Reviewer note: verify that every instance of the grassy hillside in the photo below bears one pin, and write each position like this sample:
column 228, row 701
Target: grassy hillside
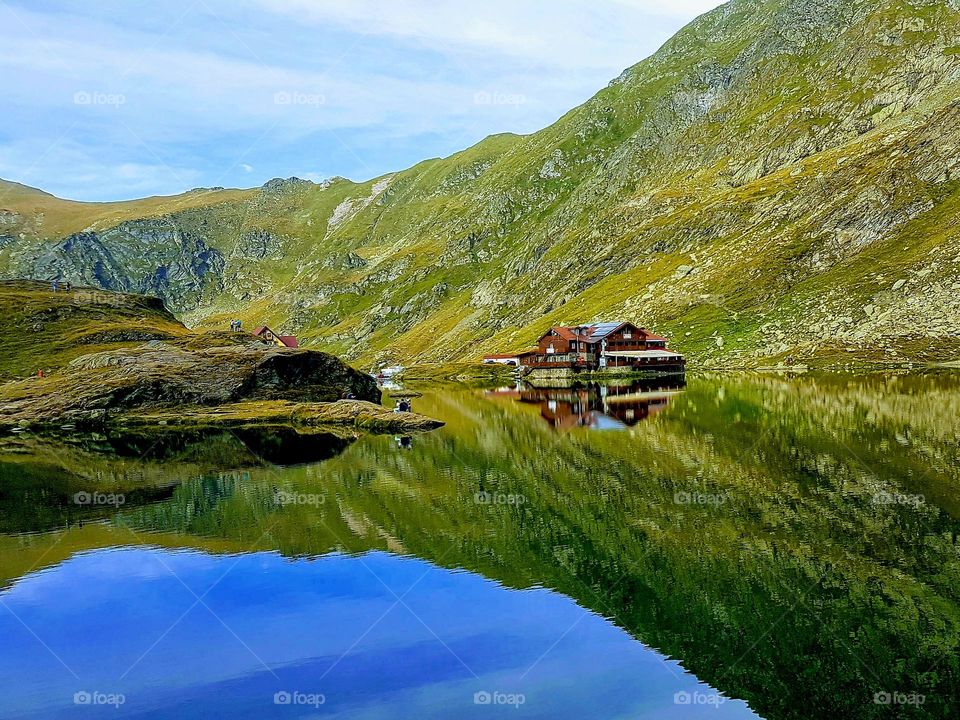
column 59, row 218
column 114, row 359
column 778, row 181
column 49, row 329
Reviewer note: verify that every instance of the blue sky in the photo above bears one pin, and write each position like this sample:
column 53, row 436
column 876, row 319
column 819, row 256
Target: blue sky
column 111, row 99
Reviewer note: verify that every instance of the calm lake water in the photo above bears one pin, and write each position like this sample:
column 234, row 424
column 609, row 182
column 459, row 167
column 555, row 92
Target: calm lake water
column 736, row 547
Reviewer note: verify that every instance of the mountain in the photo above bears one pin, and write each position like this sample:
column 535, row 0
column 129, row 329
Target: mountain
column 780, row 179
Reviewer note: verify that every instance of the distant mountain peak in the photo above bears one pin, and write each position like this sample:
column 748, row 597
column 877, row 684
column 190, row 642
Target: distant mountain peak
column 283, row 184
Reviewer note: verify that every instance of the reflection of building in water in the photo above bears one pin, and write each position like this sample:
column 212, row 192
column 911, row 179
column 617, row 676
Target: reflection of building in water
column 601, row 407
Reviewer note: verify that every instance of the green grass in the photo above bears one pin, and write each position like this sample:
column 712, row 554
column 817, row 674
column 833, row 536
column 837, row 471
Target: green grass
column 46, row 329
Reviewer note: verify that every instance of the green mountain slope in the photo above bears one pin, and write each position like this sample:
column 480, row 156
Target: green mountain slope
column 47, row 330
column 780, row 179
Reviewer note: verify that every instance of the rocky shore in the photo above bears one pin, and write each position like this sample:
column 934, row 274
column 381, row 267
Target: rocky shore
column 353, row 413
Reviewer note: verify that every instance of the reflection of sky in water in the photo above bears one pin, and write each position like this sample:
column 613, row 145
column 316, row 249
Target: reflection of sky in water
column 286, row 624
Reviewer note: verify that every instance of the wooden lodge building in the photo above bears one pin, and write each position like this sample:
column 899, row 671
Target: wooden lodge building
column 609, row 345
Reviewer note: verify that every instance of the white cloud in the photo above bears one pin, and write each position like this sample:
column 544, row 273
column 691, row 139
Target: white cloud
column 560, row 32
column 155, row 100
column 75, row 170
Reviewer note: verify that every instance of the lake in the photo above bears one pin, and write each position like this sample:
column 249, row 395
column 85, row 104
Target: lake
column 729, row 547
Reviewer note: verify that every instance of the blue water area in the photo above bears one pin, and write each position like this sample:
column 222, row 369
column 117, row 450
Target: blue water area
column 146, row 632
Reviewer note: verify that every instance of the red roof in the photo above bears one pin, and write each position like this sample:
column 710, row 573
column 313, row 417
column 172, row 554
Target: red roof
column 289, row 340
column 564, row 332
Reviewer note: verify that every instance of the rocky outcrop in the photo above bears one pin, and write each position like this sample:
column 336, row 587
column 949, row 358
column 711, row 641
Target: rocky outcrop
column 177, row 378
column 161, row 257
column 97, row 386
column 258, row 244
column 280, row 185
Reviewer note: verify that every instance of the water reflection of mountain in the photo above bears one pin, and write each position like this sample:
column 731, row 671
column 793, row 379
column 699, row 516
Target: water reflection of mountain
column 607, row 406
column 792, row 542
column 49, row 482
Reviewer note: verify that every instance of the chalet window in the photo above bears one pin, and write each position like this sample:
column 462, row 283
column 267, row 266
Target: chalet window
column 627, row 335
column 551, row 349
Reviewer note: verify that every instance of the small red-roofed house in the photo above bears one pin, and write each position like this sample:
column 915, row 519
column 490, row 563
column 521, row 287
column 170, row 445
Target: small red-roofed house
column 268, row 335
